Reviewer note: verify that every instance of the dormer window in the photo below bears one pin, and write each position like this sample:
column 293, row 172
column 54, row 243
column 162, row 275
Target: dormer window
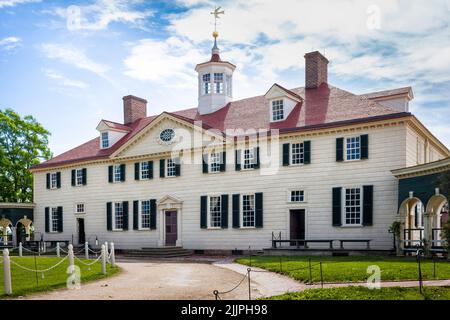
column 105, row 140
column 218, row 82
column 206, row 78
column 277, row 110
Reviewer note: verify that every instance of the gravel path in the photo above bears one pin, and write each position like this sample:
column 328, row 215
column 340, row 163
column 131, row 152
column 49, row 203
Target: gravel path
column 185, row 279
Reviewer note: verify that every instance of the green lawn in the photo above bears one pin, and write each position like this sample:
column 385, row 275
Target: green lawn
column 363, row 293
column 345, row 269
column 25, row 282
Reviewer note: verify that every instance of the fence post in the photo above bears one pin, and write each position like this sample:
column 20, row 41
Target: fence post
column 6, row 272
column 106, row 248
column 113, row 255
column 71, row 258
column 104, row 259
column 86, row 250
column 20, row 249
column 249, row 287
column 58, row 250
column 420, row 270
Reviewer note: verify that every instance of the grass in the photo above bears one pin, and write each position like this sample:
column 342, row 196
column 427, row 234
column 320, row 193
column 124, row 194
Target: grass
column 26, row 282
column 350, row 269
column 363, row 293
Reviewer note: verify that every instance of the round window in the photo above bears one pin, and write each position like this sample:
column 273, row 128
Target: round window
column 167, row 135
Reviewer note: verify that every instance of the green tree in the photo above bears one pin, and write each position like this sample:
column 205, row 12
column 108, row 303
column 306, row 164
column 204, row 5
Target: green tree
column 23, row 143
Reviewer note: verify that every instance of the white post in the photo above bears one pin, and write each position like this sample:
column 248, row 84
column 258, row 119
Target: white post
column 107, row 250
column 20, row 249
column 44, row 247
column 58, row 251
column 86, row 250
column 71, row 258
column 6, row 272
column 104, row 254
column 113, row 255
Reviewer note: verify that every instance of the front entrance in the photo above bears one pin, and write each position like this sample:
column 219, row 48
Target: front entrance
column 171, row 228
column 297, row 225
column 81, row 233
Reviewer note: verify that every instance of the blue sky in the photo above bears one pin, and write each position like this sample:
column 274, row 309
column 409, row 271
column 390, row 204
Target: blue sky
column 69, row 63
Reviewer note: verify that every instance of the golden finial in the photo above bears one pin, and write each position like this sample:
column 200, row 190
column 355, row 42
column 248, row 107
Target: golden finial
column 215, row 34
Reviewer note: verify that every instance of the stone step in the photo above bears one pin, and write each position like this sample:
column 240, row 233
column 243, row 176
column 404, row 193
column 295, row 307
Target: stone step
column 163, row 252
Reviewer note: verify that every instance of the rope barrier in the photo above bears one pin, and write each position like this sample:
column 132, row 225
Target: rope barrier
column 88, row 264
column 96, row 252
column 217, row 293
column 40, row 271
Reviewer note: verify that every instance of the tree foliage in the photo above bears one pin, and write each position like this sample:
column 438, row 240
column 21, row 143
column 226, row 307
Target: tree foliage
column 23, row 143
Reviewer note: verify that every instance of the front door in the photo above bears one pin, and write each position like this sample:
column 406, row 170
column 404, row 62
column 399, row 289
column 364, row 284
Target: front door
column 81, row 234
column 297, row 225
column 171, row 228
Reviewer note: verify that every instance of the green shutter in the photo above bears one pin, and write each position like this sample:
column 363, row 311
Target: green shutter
column 84, row 171
column 125, row 215
column 286, row 154
column 177, row 167
column 203, row 211
column 47, row 219
column 152, row 214
column 109, row 216
column 110, row 174
column 48, row 180
column 237, row 162
column 162, row 168
column 58, row 180
column 205, row 163
column 137, row 171
column 337, row 206
column 236, row 209
column 224, row 211
column 122, row 172
column 256, row 164
column 339, row 149
column 306, row 152
column 150, row 169
column 60, row 218
column 73, row 178
column 223, row 161
column 364, row 139
column 135, row 215
column 367, row 205
column 259, row 210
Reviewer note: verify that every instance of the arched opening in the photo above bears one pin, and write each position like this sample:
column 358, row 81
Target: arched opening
column 412, row 219
column 6, row 233
column 437, row 209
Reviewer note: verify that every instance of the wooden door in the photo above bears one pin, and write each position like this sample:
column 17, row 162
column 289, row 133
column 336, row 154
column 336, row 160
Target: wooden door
column 171, row 228
column 297, row 224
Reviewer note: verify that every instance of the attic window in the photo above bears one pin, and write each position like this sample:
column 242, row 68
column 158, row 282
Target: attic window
column 277, row 110
column 105, row 140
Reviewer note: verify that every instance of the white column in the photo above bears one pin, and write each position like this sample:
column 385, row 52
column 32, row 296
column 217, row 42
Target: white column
column 113, row 255
column 58, row 251
column 20, row 249
column 71, row 258
column 86, row 250
column 104, row 259
column 6, row 272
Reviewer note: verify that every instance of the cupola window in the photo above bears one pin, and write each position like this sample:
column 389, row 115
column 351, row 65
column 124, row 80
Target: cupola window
column 218, row 82
column 206, row 83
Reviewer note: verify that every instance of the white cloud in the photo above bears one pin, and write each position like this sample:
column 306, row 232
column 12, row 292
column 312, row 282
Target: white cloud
column 101, row 14
column 12, row 3
column 62, row 80
column 74, row 57
column 10, row 43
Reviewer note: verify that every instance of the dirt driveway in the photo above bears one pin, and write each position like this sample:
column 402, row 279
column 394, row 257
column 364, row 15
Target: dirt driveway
column 159, row 280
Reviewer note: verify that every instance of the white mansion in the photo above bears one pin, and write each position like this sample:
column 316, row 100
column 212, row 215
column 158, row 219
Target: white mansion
column 312, row 162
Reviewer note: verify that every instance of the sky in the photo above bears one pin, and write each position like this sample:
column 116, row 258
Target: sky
column 69, row 63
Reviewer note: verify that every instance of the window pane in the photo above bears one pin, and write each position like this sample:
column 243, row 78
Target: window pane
column 297, row 196
column 79, row 177
column 353, row 148
column 248, row 158
column 297, row 154
column 105, row 140
column 353, row 206
column 248, row 210
column 118, row 215
column 53, row 180
column 145, row 214
column 171, row 168
column 215, row 162
column 54, row 219
column 215, row 211
column 145, row 170
column 117, row 173
column 277, row 110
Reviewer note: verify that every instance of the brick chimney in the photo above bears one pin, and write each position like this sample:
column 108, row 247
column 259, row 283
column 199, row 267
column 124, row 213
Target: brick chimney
column 316, row 70
column 134, row 108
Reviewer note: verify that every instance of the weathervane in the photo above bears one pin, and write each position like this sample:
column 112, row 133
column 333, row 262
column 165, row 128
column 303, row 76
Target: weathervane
column 217, row 12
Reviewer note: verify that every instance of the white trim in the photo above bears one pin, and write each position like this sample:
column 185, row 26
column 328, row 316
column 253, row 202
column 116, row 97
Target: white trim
column 361, row 207
column 241, row 210
column 291, row 153
column 113, row 213
column 208, row 205
column 51, row 180
column 288, row 194
column 140, row 228
column 76, row 208
column 345, row 148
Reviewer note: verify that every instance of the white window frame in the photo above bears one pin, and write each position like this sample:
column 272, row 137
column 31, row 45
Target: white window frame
column 141, row 170
column 117, row 172
column 344, row 207
column 214, row 166
column 242, row 211
column 206, row 85
column 54, row 180
column 77, row 173
column 114, row 213
column 280, row 103
column 251, row 159
column 301, row 153
column 54, row 219
column 77, row 206
column 346, row 148
column 289, row 196
column 103, row 139
column 170, row 168
column 141, row 214
column 210, row 226
column 218, row 82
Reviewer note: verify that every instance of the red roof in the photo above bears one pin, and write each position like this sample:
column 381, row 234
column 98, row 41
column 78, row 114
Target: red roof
column 325, row 106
